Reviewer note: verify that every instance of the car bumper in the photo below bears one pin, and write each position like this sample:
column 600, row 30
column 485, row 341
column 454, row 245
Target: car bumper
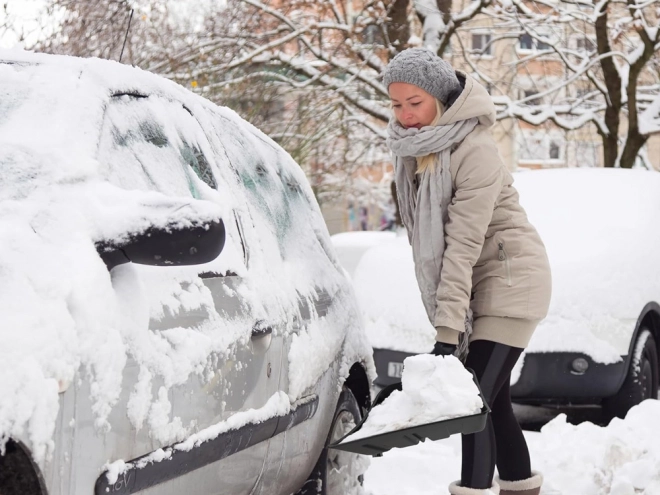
column 547, row 378
column 551, row 378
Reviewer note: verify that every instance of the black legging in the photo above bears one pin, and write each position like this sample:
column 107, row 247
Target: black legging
column 502, row 441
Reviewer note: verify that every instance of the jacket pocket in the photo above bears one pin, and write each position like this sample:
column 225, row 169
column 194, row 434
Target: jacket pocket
column 502, row 256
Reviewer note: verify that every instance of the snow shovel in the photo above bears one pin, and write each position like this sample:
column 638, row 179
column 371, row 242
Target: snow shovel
column 407, row 437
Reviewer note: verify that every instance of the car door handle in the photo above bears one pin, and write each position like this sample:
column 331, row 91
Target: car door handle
column 260, row 330
column 262, row 336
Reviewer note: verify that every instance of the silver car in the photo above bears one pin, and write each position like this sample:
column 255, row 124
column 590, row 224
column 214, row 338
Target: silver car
column 236, row 352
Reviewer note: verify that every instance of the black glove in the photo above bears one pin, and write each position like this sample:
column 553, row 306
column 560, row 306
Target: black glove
column 442, row 349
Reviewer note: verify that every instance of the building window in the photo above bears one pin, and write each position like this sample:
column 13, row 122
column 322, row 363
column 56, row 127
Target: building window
column 526, row 42
column 538, row 148
column 554, row 150
column 371, row 34
column 528, row 93
column 582, row 92
column 585, row 45
column 542, row 45
column 481, row 43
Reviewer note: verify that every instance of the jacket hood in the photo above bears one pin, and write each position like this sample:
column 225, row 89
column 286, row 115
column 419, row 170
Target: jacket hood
column 473, row 101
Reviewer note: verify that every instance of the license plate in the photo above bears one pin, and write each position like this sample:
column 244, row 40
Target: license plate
column 394, row 370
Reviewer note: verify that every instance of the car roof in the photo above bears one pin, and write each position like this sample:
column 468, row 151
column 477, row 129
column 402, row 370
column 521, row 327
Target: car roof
column 54, row 105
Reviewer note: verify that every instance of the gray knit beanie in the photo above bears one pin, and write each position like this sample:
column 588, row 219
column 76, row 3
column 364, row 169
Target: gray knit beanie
column 425, row 70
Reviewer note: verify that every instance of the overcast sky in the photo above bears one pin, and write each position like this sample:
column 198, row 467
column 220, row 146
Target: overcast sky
column 23, row 15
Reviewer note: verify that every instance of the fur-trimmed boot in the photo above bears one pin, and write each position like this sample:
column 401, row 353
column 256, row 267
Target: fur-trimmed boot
column 530, row 486
column 456, row 489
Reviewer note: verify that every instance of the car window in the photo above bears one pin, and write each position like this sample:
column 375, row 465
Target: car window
column 151, row 143
column 256, row 165
column 280, row 203
column 194, row 157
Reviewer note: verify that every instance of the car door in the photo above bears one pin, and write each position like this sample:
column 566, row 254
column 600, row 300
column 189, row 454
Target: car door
column 276, row 198
column 293, row 453
column 172, row 393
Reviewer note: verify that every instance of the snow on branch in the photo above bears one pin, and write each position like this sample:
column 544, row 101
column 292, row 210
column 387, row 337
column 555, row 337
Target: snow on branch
column 649, row 120
column 434, row 27
column 371, row 107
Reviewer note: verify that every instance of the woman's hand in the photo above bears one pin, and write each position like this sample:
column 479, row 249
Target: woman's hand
column 442, row 349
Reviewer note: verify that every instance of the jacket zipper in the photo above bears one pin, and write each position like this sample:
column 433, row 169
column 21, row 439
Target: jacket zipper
column 505, row 258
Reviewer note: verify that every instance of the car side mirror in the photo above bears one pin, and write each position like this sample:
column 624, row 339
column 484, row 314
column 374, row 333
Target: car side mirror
column 169, row 246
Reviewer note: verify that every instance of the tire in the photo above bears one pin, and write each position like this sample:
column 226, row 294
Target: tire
column 18, row 473
column 641, row 382
column 337, row 472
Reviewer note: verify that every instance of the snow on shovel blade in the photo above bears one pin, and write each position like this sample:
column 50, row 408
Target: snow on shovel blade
column 407, row 437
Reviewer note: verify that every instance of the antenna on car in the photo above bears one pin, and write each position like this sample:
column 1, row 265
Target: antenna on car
column 130, row 18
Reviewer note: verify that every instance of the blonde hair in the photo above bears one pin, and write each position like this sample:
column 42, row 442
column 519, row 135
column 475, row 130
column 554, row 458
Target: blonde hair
column 428, row 161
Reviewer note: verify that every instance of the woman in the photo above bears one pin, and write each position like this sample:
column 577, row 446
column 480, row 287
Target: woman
column 481, row 266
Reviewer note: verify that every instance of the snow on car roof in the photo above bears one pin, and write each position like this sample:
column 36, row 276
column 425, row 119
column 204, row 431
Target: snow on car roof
column 600, row 230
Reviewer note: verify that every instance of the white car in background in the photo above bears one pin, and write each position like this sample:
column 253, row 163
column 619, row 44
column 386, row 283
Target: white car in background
column 174, row 319
column 599, row 342
column 350, row 246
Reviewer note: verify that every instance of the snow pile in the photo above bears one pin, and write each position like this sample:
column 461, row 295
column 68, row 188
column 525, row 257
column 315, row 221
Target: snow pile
column 434, row 388
column 389, row 299
column 620, row 459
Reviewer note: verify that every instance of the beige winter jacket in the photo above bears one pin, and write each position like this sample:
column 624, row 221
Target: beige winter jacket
column 494, row 260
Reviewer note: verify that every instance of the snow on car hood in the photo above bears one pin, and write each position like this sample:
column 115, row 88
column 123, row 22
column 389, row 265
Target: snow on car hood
column 390, row 300
column 600, row 230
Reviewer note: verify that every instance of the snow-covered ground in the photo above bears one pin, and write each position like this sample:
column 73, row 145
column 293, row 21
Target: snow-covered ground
column 620, row 459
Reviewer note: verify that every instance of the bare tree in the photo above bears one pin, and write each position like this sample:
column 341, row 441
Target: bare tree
column 608, row 54
column 329, row 54
column 308, row 72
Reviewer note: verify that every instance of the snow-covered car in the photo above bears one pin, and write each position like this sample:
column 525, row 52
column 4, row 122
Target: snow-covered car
column 351, row 246
column 599, row 342
column 174, row 319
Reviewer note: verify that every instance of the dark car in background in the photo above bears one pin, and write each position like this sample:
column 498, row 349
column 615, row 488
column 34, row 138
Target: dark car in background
column 598, row 346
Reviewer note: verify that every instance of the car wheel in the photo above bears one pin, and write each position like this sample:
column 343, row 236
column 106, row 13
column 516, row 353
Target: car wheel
column 338, row 472
column 18, row 473
column 641, row 383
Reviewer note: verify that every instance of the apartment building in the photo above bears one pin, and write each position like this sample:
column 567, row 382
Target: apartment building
column 519, row 63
